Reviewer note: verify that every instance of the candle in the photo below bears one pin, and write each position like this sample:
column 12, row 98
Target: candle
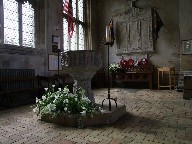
column 58, row 42
column 107, row 34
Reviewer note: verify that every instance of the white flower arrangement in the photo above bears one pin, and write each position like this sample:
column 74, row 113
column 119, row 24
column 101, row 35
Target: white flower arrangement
column 62, row 102
column 113, row 68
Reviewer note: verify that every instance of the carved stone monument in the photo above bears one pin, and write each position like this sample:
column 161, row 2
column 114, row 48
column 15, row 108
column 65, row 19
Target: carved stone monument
column 133, row 30
column 82, row 66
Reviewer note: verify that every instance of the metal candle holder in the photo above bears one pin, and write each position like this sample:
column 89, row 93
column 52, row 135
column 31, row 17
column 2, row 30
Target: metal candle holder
column 109, row 97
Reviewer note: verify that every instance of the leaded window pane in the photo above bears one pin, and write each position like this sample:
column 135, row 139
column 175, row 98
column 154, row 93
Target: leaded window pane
column 28, row 25
column 74, row 8
column 65, row 35
column 11, row 23
column 77, row 40
column 74, row 40
column 80, row 10
column 81, row 38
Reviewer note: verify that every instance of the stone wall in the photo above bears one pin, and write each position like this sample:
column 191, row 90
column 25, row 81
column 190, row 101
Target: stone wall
column 167, row 46
column 185, row 23
column 15, row 57
column 18, row 57
column 175, row 14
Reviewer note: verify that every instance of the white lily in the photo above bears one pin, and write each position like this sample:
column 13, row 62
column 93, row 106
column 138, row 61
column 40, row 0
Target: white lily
column 37, row 100
column 86, row 99
column 54, row 101
column 43, row 97
column 83, row 113
column 66, row 90
column 51, row 107
column 65, row 109
column 70, row 95
column 102, row 111
column 36, row 110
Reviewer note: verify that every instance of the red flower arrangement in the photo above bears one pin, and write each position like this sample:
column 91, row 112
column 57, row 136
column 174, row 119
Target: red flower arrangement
column 123, row 63
column 130, row 62
column 127, row 63
column 143, row 61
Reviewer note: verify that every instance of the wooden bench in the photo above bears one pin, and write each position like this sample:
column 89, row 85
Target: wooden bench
column 134, row 74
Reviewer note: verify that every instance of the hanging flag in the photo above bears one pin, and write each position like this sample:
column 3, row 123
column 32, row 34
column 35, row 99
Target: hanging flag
column 69, row 11
column 158, row 23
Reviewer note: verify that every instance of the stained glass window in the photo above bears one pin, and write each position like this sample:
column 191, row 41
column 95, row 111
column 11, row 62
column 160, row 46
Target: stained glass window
column 74, row 8
column 81, row 37
column 28, row 25
column 80, row 9
column 74, row 40
column 11, row 22
column 19, row 28
column 65, row 35
column 77, row 40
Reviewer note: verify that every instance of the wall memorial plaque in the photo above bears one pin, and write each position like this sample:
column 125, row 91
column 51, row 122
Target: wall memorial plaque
column 133, row 30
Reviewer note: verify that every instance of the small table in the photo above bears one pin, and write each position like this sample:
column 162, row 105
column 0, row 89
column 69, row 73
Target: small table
column 171, row 72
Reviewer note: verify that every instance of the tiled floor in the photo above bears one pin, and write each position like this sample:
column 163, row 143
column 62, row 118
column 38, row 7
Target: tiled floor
column 153, row 116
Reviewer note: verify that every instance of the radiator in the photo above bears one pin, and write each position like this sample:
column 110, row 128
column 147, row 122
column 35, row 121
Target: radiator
column 20, row 97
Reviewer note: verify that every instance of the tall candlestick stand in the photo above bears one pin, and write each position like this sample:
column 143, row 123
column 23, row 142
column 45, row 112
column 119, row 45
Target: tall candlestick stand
column 109, row 97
